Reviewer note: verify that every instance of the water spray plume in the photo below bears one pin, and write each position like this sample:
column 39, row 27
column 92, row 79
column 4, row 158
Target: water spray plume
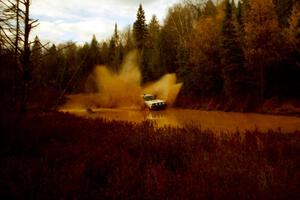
column 165, row 88
column 107, row 89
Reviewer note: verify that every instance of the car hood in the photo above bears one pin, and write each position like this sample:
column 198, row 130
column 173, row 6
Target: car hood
column 155, row 101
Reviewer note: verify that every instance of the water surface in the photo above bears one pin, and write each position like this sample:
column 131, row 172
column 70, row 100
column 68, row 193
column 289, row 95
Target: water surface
column 215, row 120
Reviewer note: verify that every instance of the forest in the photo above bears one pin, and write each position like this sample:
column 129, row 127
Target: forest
column 237, row 55
column 230, row 56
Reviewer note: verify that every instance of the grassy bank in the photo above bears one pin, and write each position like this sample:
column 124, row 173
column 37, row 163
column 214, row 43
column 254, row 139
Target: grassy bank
column 275, row 105
column 58, row 156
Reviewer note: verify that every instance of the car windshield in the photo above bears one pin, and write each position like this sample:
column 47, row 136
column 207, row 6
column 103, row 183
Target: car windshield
column 149, row 98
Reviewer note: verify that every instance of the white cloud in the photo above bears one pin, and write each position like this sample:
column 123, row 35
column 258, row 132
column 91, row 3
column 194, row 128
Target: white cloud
column 77, row 20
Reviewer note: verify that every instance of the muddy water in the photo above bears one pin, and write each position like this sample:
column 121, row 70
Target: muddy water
column 214, row 120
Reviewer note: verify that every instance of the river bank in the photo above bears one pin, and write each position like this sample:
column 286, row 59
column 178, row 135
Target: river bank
column 48, row 100
column 274, row 106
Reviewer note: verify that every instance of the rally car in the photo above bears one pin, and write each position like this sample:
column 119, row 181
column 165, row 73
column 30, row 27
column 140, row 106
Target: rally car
column 152, row 103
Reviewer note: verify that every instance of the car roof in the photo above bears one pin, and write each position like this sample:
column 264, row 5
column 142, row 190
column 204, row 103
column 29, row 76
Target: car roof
column 147, row 95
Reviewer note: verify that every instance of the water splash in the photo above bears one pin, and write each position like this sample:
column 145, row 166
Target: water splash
column 107, row 89
column 165, row 88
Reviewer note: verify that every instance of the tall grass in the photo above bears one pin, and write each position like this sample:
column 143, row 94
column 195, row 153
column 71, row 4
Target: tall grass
column 59, row 156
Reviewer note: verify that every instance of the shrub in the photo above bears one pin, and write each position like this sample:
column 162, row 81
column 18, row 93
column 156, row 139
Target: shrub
column 59, row 156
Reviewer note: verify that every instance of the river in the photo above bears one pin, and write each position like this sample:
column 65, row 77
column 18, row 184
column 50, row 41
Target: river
column 214, row 120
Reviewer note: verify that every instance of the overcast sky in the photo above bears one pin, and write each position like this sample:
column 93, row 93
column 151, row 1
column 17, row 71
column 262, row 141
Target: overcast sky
column 78, row 20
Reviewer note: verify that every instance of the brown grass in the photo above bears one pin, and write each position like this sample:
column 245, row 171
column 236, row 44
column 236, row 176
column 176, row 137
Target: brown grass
column 58, row 156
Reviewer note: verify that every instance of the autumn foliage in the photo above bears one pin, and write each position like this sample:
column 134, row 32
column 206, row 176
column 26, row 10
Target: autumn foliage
column 240, row 55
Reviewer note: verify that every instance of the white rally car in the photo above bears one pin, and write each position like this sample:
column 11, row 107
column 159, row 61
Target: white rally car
column 152, row 103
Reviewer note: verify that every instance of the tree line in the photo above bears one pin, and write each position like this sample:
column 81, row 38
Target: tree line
column 246, row 51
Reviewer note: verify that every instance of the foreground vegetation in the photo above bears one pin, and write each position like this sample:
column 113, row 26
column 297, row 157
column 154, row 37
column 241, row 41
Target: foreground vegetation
column 59, row 156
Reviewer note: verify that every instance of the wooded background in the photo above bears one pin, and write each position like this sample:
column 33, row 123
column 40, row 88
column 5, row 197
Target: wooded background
column 246, row 52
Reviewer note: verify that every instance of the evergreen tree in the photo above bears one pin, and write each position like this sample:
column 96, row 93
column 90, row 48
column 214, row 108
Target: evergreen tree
column 112, row 53
column 154, row 28
column 36, row 51
column 36, row 55
column 128, row 40
column 51, row 68
column 94, row 54
column 83, row 53
column 140, row 29
column 116, row 36
column 140, row 33
column 210, row 9
column 234, row 8
column 153, row 51
column 283, row 10
column 239, row 17
column 69, row 71
column 115, row 50
column 232, row 56
column 104, row 51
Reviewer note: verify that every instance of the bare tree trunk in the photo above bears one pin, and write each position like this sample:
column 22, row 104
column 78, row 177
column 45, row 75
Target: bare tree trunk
column 26, row 59
column 16, row 56
column 17, row 27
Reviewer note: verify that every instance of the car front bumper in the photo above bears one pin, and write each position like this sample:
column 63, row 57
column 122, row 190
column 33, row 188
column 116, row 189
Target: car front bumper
column 158, row 107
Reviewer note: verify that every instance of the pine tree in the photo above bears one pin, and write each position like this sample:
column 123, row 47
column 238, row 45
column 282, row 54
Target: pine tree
column 153, row 51
column 234, row 8
column 154, row 28
column 210, row 9
column 232, row 55
column 35, row 59
column 111, row 52
column 94, row 53
column 140, row 29
column 51, row 68
column 128, row 40
column 116, row 36
column 283, row 10
column 115, row 56
column 36, row 51
column 104, row 51
column 140, row 33
column 239, row 17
